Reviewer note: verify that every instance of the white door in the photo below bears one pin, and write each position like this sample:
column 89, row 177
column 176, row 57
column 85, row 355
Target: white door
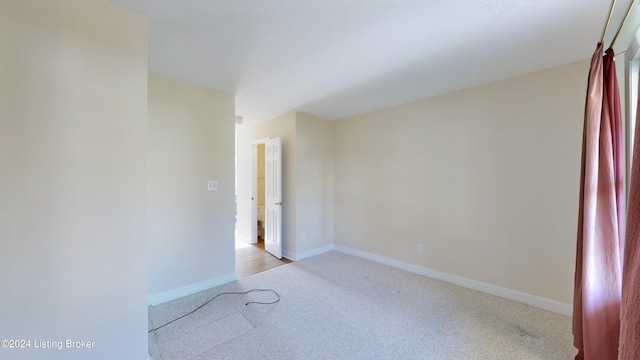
column 273, row 197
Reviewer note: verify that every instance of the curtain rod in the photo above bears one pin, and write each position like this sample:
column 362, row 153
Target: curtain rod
column 622, row 23
column 606, row 24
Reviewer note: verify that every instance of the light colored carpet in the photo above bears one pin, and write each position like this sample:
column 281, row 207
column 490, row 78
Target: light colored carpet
column 337, row 306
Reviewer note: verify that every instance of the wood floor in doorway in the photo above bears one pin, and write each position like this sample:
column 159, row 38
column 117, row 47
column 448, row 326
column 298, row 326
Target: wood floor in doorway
column 253, row 259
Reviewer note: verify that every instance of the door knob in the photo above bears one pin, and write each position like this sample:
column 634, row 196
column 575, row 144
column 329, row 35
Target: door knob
column 279, row 203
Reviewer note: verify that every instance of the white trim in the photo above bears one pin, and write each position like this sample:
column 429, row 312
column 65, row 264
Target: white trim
column 533, row 300
column 243, row 238
column 253, row 239
column 260, row 141
column 163, row 297
column 630, row 91
column 289, row 255
column 306, row 254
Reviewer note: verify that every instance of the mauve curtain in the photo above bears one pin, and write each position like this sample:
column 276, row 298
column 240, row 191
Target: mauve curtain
column 630, row 312
column 597, row 292
column 615, row 118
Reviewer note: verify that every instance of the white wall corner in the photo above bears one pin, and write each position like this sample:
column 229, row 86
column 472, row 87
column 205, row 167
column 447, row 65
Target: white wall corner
column 306, row 254
column 528, row 299
column 243, row 238
column 163, row 297
column 289, row 255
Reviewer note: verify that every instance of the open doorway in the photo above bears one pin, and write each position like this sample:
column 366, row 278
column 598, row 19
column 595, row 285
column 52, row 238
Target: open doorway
column 260, row 190
column 253, row 259
column 263, row 248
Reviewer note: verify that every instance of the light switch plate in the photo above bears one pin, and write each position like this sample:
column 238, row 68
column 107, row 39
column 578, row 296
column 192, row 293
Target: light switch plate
column 212, row 185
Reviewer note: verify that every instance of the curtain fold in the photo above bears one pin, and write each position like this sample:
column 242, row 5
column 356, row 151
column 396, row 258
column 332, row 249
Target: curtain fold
column 615, row 117
column 597, row 291
column 630, row 309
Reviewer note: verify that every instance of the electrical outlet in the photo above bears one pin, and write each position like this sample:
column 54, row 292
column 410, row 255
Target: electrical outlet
column 212, row 185
column 420, row 249
column 304, row 237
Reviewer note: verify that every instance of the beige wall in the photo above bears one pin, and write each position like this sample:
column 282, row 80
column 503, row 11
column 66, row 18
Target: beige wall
column 486, row 178
column 73, row 124
column 307, row 185
column 191, row 141
column 314, row 183
column 285, row 128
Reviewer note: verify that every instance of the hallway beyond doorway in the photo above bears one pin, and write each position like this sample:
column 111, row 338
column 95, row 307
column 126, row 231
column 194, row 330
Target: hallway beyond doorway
column 253, row 259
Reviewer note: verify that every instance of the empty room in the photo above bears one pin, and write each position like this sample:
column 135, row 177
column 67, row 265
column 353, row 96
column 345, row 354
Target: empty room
column 298, row 179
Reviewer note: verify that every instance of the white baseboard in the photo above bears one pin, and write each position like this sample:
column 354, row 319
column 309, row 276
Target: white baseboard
column 156, row 299
column 244, row 238
column 306, row 254
column 533, row 300
column 314, row 252
column 289, row 255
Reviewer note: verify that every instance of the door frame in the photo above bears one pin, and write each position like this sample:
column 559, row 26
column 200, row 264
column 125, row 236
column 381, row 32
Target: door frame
column 254, row 188
column 273, row 197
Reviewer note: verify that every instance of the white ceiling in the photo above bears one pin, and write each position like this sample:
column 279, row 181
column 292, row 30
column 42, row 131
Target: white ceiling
column 338, row 58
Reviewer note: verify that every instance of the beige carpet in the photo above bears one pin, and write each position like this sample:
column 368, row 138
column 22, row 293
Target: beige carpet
column 337, row 306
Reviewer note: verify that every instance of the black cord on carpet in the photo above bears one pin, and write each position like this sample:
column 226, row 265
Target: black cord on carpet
column 226, row 293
